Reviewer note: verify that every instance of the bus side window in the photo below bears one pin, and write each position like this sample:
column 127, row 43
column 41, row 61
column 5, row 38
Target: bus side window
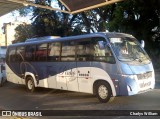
column 30, row 53
column 109, row 55
column 12, row 55
column 101, row 54
column 83, row 50
column 20, row 54
column 98, row 54
column 54, row 51
column 68, row 51
column 41, row 52
column 80, row 52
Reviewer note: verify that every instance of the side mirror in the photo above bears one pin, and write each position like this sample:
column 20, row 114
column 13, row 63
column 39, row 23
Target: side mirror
column 142, row 43
column 101, row 44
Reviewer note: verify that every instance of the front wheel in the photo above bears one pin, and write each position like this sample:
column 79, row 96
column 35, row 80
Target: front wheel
column 30, row 84
column 103, row 91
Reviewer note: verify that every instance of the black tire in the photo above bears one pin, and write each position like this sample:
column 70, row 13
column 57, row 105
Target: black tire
column 103, row 91
column 30, row 84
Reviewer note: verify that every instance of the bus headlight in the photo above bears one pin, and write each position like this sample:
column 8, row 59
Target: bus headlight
column 129, row 76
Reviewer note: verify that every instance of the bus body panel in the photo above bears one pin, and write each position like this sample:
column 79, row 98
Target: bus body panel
column 84, row 75
column 100, row 74
column 130, row 69
column 65, row 77
column 12, row 77
column 108, row 72
column 136, row 78
column 44, row 84
column 124, row 78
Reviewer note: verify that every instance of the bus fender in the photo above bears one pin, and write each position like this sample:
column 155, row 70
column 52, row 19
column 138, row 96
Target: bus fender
column 33, row 76
column 109, row 82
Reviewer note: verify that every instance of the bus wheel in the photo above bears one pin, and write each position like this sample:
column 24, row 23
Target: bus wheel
column 103, row 91
column 30, row 84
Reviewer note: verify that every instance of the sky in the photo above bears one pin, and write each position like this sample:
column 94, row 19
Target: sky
column 13, row 16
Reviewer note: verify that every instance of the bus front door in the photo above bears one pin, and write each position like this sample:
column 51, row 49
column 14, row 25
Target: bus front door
column 67, row 78
column 84, row 76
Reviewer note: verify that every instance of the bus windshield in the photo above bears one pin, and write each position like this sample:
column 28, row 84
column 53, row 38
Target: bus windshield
column 128, row 49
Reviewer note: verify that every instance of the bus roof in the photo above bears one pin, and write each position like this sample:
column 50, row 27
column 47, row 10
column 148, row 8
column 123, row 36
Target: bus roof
column 42, row 38
column 117, row 35
column 48, row 39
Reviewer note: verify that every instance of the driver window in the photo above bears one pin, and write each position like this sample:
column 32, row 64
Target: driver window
column 102, row 54
column 109, row 55
column 97, row 51
column 124, row 48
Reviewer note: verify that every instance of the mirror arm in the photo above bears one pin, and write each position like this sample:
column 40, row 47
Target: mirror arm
column 142, row 43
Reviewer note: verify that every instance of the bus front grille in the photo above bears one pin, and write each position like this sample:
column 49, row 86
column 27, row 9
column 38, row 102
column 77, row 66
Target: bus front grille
column 144, row 75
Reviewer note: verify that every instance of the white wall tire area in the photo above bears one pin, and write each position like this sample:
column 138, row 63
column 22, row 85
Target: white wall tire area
column 30, row 84
column 103, row 91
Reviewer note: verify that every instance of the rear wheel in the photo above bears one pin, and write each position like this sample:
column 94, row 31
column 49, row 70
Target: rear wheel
column 30, row 84
column 103, row 91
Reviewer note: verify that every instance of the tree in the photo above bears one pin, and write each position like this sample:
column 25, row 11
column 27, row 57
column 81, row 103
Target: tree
column 48, row 22
column 138, row 17
column 23, row 32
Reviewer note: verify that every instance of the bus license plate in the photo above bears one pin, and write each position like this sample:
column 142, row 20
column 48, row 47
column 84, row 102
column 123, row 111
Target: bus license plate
column 145, row 84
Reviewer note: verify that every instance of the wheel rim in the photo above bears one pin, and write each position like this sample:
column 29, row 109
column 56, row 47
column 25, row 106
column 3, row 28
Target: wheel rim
column 103, row 92
column 30, row 84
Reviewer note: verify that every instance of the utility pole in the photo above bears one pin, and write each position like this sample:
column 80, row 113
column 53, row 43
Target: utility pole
column 5, row 32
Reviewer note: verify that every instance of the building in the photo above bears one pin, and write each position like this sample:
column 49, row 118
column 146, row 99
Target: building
column 2, row 39
column 9, row 31
column 8, row 34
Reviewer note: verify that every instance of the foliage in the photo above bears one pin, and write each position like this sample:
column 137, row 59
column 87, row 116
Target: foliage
column 140, row 18
column 48, row 22
column 23, row 31
column 137, row 17
column 25, row 11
